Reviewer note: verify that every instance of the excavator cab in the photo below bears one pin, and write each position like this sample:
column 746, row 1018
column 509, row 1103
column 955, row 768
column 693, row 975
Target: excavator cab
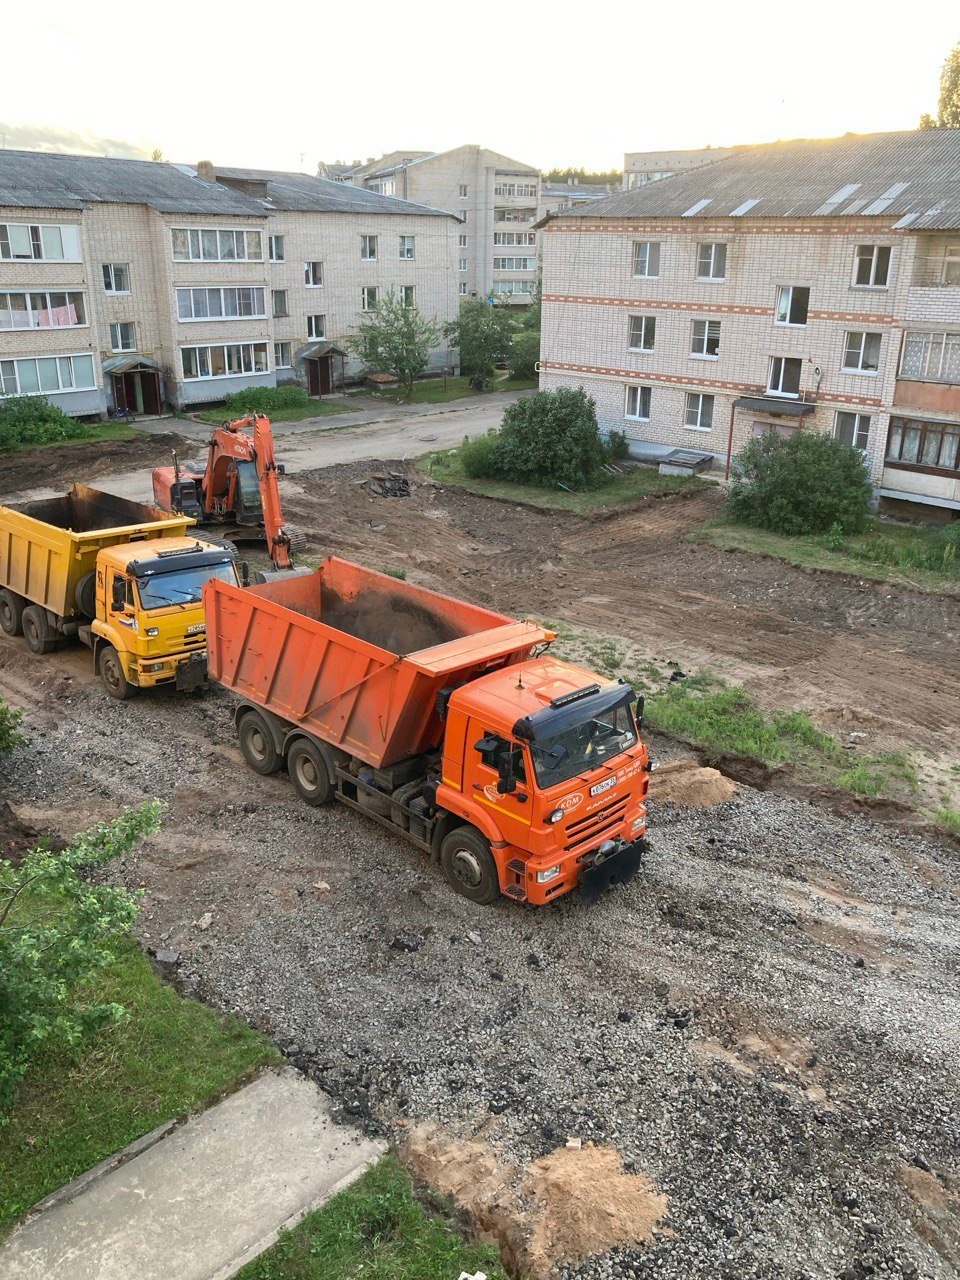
column 249, row 503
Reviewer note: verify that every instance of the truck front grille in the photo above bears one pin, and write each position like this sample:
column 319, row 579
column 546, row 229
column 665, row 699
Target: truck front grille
column 593, row 830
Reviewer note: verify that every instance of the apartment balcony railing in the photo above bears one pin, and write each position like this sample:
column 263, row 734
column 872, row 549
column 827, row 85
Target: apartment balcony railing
column 931, row 357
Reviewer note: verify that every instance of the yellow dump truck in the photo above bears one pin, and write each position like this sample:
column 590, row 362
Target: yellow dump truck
column 124, row 578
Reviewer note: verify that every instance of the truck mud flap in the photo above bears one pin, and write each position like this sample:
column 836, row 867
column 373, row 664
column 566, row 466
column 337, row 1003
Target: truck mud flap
column 192, row 674
column 619, row 868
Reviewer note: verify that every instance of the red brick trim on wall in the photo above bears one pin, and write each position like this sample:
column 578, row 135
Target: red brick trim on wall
column 718, row 308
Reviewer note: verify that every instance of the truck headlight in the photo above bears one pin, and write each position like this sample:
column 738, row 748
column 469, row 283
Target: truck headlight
column 555, row 816
column 152, row 666
column 551, row 873
column 152, row 631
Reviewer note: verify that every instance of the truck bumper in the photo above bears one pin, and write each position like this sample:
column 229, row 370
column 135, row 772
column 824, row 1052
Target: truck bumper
column 187, row 671
column 619, row 868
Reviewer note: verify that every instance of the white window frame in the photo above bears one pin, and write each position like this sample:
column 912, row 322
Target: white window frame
column 697, row 401
column 407, row 242
column 222, row 290
column 464, row 190
column 930, row 356
column 776, row 390
column 278, row 355
column 38, row 242
column 873, row 257
column 515, row 264
column 366, row 290
column 317, row 325
column 703, row 335
column 116, row 336
column 276, row 249
column 643, row 252
column 195, row 241
column 850, row 345
column 860, row 425
column 648, row 332
column 310, row 271
column 274, row 295
column 407, row 295
column 223, row 346
column 785, row 293
column 368, row 248
column 463, row 288
column 33, row 313
column 463, row 264
column 514, row 239
column 463, row 241
column 109, row 271
column 513, row 288
column 61, row 362
column 640, row 394
column 714, row 253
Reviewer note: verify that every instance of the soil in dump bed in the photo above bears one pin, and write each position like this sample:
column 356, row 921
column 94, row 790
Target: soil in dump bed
column 85, row 511
column 389, row 621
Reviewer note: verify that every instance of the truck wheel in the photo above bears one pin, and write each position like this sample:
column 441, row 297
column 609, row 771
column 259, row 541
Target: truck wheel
column 469, row 866
column 309, row 773
column 256, row 744
column 37, row 632
column 111, row 674
column 85, row 596
column 11, row 612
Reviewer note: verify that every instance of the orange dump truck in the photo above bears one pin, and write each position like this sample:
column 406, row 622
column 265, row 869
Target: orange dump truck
column 448, row 723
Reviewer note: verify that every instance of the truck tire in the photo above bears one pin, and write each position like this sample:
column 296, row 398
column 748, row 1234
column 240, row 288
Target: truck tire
column 11, row 612
column 37, row 632
column 256, row 744
column 85, row 595
column 469, row 866
column 309, row 773
column 111, row 674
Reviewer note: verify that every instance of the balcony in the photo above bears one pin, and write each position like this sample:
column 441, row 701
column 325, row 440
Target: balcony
column 929, row 376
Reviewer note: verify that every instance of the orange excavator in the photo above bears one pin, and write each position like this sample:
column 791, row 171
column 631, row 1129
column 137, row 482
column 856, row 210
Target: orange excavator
column 238, row 489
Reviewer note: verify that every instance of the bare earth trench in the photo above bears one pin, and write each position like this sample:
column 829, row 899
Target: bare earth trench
column 764, row 1027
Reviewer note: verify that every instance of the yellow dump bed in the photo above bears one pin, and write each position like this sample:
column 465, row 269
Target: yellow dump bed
column 47, row 546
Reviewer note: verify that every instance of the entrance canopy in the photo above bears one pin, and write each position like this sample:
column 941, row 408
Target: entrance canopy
column 314, row 350
column 127, row 364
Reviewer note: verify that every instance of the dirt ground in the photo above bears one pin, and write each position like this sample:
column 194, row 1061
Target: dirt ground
column 756, row 1043
column 64, row 464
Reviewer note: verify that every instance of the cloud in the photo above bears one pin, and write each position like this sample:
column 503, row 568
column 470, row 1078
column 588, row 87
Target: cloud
column 41, row 137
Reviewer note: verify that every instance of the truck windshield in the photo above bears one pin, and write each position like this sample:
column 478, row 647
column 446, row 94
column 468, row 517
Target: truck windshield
column 584, row 746
column 182, row 586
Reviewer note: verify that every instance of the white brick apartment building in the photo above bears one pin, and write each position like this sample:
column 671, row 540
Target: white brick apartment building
column 129, row 284
column 496, row 199
column 812, row 283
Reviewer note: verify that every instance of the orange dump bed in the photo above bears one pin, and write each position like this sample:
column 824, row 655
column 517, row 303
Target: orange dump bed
column 355, row 656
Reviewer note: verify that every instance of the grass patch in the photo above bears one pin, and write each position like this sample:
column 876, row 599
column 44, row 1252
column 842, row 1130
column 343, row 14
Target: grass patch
column 440, row 390
column 633, row 483
column 85, row 432
column 949, row 818
column 926, row 556
column 76, row 1108
column 376, row 1229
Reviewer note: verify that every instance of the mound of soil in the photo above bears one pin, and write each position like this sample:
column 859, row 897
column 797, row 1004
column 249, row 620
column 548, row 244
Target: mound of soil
column 18, row 837
column 66, row 464
column 684, row 782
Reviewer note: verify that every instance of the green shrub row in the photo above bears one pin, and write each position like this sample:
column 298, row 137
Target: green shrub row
column 26, row 420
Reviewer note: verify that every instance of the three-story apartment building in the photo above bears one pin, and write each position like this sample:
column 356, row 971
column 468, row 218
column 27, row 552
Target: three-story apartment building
column 811, row 284
column 129, row 285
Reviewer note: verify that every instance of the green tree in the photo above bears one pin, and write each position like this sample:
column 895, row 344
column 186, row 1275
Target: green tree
column 482, row 332
column 10, row 735
column 805, row 484
column 524, row 353
column 56, row 933
column 395, row 339
column 613, row 176
column 551, row 438
column 948, row 106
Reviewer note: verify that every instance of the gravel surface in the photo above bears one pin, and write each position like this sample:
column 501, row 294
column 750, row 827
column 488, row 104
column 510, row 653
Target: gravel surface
column 766, row 1022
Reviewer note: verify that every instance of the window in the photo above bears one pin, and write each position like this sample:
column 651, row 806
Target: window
column 407, row 295
column 65, row 310
column 276, row 248
column 914, row 443
column 208, row 244
column 784, row 376
column 406, row 247
column 512, row 286
column 514, row 264
column 643, row 331
column 699, row 411
column 508, row 239
column 711, row 262
column 861, row 353
column 123, row 336
column 463, row 215
column 463, row 242
column 638, row 404
column 283, row 355
column 513, row 215
column 463, row 288
column 931, row 357
column 463, row 191
column 853, row 429
column 526, row 189
column 793, row 303
column 116, row 277
column 368, row 248
column 646, row 258
column 872, row 266
column 24, row 377
column 463, row 264
column 232, row 360
column 706, row 339
column 313, row 275
column 316, row 326
column 242, row 302
column 23, row 242
column 370, row 297
column 280, row 304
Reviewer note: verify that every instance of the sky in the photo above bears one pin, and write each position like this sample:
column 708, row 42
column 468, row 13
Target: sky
column 556, row 84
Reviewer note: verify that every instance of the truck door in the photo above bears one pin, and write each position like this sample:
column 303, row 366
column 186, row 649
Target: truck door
column 121, row 603
column 489, row 757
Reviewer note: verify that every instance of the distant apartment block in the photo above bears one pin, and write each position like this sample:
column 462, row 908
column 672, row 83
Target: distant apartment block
column 496, row 199
column 133, row 285
column 641, row 167
column 809, row 285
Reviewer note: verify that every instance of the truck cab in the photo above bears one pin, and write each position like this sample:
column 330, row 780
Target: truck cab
column 150, row 626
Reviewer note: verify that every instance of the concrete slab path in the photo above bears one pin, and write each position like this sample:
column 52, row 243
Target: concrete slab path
column 205, row 1199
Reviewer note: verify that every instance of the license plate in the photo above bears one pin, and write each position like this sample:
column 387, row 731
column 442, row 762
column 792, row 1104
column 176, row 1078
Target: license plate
column 197, row 626
column 598, row 788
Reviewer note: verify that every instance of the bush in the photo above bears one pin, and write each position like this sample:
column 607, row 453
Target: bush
column 482, row 334
column 551, row 438
column 618, row 446
column 478, row 457
column 804, row 484
column 266, row 400
column 26, row 420
column 524, row 354
column 10, row 735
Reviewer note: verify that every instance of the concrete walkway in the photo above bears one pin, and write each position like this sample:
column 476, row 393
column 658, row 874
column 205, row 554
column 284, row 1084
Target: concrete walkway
column 202, row 1201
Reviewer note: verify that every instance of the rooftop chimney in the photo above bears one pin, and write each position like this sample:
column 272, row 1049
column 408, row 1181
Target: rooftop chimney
column 205, row 171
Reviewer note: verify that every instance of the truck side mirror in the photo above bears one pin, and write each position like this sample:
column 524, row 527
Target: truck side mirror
column 506, row 786
column 487, row 744
column 119, row 598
